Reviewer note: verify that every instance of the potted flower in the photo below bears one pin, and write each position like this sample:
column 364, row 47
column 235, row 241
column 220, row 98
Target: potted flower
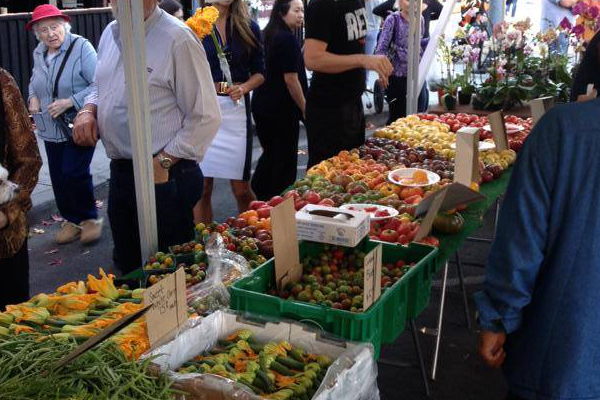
column 448, row 82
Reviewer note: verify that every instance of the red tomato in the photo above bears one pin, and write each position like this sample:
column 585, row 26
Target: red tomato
column 389, row 235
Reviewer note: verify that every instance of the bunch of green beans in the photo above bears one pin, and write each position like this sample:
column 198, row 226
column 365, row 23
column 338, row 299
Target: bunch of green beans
column 102, row 373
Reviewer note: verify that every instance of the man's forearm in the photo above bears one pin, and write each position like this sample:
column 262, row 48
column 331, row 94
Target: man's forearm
column 329, row 63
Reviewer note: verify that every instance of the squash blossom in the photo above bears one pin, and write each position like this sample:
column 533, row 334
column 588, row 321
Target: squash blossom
column 34, row 315
column 103, row 286
column 4, row 331
column 138, row 294
column 73, row 318
column 17, row 329
column 6, row 319
column 80, row 330
column 283, row 394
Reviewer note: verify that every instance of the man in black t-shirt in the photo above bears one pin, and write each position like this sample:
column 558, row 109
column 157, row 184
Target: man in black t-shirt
column 334, row 51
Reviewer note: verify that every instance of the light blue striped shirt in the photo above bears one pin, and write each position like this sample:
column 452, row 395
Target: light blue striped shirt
column 75, row 81
column 184, row 112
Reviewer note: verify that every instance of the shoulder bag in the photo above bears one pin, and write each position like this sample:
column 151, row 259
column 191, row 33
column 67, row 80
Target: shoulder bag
column 64, row 121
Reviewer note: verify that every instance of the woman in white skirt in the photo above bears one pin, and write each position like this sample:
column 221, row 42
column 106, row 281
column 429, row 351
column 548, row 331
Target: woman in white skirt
column 230, row 154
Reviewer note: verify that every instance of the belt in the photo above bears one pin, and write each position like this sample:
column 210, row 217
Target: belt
column 124, row 164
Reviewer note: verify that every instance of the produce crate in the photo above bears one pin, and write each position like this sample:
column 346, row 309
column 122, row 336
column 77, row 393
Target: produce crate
column 418, row 280
column 381, row 323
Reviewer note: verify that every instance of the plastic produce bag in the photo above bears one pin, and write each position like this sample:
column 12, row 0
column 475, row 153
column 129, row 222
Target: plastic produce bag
column 225, row 267
column 352, row 376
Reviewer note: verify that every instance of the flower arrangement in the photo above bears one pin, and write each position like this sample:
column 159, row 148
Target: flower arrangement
column 586, row 25
column 448, row 83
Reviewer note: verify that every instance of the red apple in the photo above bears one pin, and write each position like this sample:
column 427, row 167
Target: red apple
column 276, row 200
column 327, row 202
column 311, row 197
column 291, row 194
column 256, row 204
column 300, row 204
column 264, row 212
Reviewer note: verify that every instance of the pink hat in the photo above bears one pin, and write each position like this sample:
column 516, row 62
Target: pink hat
column 45, row 11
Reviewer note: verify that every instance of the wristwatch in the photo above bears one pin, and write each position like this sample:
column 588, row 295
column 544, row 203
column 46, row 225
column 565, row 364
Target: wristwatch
column 164, row 161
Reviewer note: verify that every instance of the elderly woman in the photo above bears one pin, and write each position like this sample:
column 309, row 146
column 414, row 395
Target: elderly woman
column 63, row 72
column 19, row 155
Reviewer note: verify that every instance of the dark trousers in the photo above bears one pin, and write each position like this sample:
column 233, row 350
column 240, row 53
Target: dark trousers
column 396, row 97
column 72, row 183
column 175, row 201
column 513, row 397
column 14, row 285
column 277, row 166
column 333, row 129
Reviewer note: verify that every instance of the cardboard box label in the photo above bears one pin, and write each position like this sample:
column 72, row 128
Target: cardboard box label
column 446, row 199
column 285, row 244
column 539, row 107
column 498, row 130
column 169, row 307
column 466, row 169
column 372, row 277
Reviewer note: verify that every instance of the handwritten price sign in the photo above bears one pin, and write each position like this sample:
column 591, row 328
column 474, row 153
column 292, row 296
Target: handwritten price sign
column 169, row 306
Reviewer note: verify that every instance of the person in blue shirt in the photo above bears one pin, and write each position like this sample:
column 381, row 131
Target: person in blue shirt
column 230, row 154
column 540, row 305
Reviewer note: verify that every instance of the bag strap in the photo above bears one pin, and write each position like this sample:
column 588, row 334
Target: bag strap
column 3, row 129
column 62, row 67
column 393, row 39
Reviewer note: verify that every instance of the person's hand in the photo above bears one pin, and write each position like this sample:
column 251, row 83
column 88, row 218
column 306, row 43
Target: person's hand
column 85, row 130
column 34, row 105
column 161, row 175
column 3, row 220
column 491, row 348
column 59, row 106
column 381, row 65
column 236, row 92
column 568, row 3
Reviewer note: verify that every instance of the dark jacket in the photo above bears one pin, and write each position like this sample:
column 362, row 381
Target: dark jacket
column 589, row 69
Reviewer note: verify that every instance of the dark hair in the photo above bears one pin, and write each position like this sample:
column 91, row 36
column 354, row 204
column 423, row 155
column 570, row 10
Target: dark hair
column 276, row 22
column 170, row 6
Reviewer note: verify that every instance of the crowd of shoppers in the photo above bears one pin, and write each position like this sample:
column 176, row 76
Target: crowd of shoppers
column 202, row 124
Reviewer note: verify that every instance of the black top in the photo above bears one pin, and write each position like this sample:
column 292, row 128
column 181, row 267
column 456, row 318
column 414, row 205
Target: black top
column 343, row 26
column 283, row 55
column 431, row 13
column 589, row 69
column 243, row 61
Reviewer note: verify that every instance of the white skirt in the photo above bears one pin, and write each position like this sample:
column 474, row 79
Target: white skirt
column 230, row 153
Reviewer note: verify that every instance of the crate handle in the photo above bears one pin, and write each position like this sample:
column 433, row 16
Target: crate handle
column 310, row 321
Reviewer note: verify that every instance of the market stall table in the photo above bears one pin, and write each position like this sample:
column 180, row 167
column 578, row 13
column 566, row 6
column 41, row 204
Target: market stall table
column 450, row 244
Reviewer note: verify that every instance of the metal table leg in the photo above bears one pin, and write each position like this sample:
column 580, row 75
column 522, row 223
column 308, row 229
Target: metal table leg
column 415, row 336
column 461, row 279
column 438, row 336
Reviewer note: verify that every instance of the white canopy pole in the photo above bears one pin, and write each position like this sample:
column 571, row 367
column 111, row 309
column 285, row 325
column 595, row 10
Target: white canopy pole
column 133, row 39
column 430, row 51
column 414, row 54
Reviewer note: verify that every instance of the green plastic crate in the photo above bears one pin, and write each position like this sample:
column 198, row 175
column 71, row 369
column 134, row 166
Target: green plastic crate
column 381, row 323
column 417, row 281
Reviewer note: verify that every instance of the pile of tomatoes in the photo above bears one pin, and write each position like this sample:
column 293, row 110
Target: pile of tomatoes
column 460, row 120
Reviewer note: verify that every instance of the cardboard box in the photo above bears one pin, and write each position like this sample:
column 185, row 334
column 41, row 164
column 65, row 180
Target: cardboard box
column 332, row 225
column 353, row 375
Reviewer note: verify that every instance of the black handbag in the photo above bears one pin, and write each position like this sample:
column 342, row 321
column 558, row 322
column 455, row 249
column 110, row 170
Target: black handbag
column 64, row 121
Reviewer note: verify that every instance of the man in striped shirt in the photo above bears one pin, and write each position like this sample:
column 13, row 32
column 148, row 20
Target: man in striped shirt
column 184, row 117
